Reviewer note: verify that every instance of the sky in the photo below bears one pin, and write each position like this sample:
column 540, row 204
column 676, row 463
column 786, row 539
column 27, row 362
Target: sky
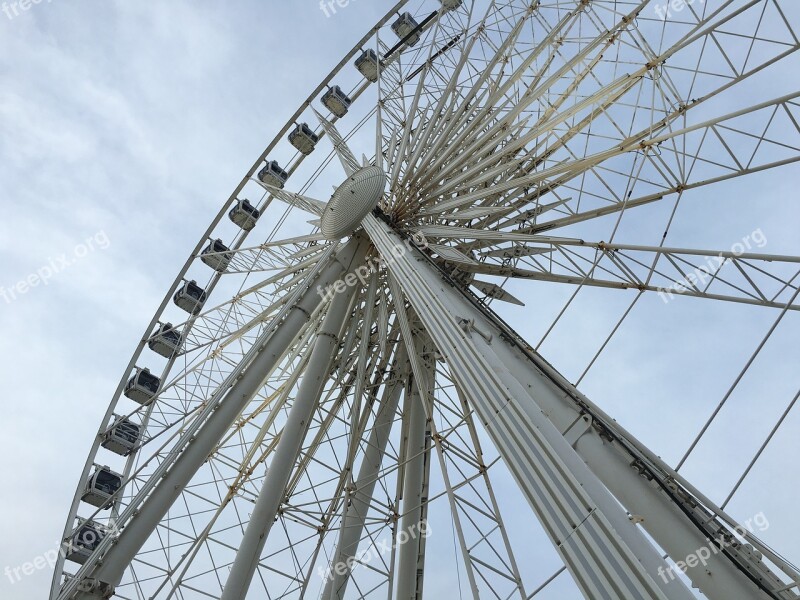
column 124, row 125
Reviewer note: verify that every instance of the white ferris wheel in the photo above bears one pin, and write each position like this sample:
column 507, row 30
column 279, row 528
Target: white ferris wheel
column 327, row 403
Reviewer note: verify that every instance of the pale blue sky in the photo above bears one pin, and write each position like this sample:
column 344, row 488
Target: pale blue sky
column 129, row 123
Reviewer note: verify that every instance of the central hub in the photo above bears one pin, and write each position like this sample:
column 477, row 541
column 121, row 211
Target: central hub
column 352, row 201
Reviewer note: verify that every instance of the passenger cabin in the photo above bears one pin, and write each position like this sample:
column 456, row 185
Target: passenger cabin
column 101, row 486
column 142, row 387
column 165, row 341
column 244, row 214
column 367, row 65
column 303, row 138
column 122, row 437
column 216, row 256
column 190, row 297
column 336, row 101
column 84, row 541
column 404, row 25
column 273, row 175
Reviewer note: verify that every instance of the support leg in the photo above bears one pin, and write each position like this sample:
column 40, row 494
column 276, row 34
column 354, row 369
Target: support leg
column 408, row 536
column 355, row 513
column 548, row 433
column 606, row 553
column 291, row 442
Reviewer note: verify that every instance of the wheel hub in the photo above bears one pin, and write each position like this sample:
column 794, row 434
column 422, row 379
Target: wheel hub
column 352, row 201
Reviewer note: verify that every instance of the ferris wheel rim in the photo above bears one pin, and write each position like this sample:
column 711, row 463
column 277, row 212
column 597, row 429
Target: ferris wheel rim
column 221, row 215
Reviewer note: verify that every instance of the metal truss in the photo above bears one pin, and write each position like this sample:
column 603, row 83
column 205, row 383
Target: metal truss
column 329, row 402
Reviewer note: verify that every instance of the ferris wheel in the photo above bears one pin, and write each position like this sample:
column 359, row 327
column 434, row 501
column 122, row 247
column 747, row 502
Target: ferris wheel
column 328, row 404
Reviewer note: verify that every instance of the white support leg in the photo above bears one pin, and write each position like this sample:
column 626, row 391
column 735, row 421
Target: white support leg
column 608, row 556
column 422, row 530
column 199, row 444
column 280, row 469
column 355, row 513
column 408, row 536
column 550, row 434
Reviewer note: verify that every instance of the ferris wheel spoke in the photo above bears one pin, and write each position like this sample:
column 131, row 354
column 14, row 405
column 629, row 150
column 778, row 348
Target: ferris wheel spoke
column 440, row 84
column 410, row 125
column 305, row 203
column 473, row 107
column 487, row 151
column 728, row 81
column 445, row 106
column 300, row 239
column 362, row 374
column 588, row 57
column 346, row 157
column 218, row 325
column 711, row 162
column 271, row 258
column 567, row 170
column 449, row 106
column 179, row 398
column 613, row 203
column 736, row 276
column 405, row 134
column 231, row 323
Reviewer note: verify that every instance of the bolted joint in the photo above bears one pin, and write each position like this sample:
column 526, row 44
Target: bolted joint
column 332, row 336
column 643, row 469
column 100, row 589
column 468, row 326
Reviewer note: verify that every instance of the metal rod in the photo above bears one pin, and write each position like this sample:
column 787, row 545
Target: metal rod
column 410, row 521
column 355, row 513
column 291, row 443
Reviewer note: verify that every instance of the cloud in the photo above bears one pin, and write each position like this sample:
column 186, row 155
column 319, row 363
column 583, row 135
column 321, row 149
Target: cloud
column 137, row 119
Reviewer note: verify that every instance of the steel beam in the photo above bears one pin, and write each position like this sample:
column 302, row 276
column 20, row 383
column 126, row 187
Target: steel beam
column 356, row 510
column 608, row 556
column 273, row 489
column 534, row 416
column 415, row 468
